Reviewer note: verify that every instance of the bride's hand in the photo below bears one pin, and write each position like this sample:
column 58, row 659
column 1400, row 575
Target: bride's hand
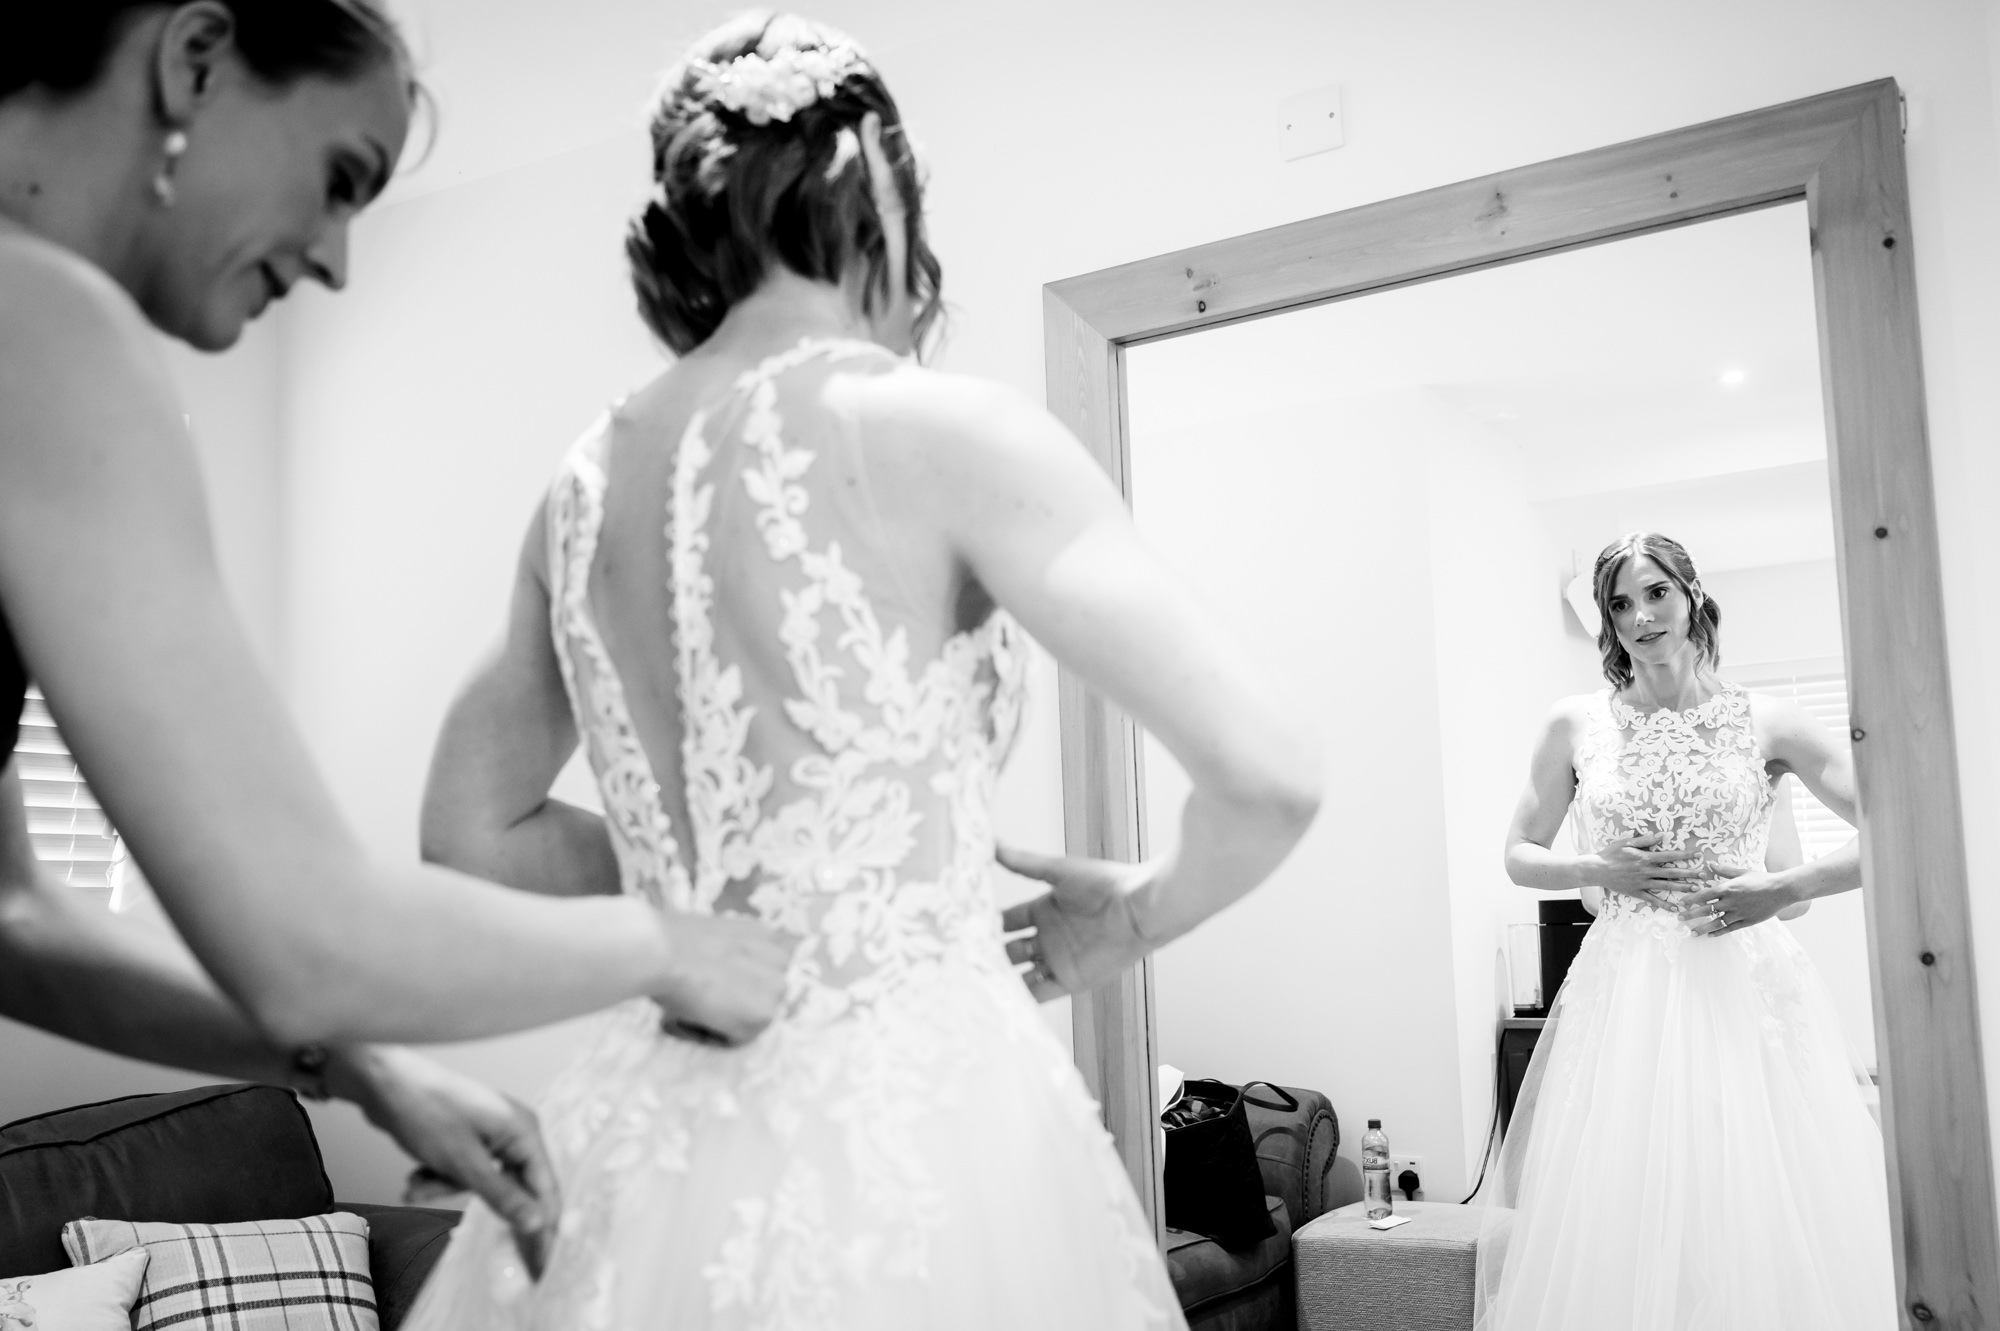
column 1742, row 899
column 1084, row 931
column 1633, row 866
column 729, row 977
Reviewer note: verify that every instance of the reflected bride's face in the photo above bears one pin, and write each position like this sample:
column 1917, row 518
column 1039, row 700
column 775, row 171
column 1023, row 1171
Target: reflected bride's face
column 1649, row 611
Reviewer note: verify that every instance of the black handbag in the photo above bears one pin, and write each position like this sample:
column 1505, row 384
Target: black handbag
column 1212, row 1182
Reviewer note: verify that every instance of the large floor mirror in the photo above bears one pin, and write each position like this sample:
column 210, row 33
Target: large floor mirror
column 1388, row 491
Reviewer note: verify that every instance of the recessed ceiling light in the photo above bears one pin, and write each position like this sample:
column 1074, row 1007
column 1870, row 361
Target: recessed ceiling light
column 1731, row 378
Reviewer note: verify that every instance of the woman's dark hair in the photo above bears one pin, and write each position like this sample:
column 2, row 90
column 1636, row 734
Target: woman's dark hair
column 733, row 195
column 61, row 47
column 1704, row 617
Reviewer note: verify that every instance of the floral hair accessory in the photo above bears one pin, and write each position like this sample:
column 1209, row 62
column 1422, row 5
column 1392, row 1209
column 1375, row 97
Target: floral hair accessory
column 764, row 88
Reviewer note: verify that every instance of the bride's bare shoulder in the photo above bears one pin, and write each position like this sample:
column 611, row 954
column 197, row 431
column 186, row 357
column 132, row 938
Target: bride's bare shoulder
column 912, row 410
column 1569, row 717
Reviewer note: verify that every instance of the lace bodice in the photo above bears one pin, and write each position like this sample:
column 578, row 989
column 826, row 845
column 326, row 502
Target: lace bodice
column 838, row 749
column 1694, row 778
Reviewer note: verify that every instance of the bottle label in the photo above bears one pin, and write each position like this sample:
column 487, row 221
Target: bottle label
column 1381, row 1198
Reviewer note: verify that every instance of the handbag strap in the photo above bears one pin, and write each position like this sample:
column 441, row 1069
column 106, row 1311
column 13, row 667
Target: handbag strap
column 1290, row 1105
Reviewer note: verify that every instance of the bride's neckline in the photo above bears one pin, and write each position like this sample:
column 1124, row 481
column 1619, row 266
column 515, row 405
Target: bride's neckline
column 1699, row 713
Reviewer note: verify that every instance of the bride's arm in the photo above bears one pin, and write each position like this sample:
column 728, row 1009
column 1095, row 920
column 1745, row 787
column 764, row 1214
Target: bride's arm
column 1796, row 741
column 1785, row 851
column 487, row 808
column 109, row 581
column 997, row 484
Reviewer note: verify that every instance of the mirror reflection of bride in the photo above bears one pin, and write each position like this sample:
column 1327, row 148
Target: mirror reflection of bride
column 1691, row 1148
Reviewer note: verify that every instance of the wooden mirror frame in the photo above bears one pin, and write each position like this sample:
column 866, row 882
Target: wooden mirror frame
column 1843, row 154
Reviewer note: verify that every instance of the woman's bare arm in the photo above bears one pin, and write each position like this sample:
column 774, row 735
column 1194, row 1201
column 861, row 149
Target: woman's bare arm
column 110, row 585
column 1784, row 850
column 1001, row 486
column 1825, row 766
column 487, row 808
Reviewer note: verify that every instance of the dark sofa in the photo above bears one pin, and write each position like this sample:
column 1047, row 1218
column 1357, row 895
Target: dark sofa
column 213, row 1155
column 1252, row 1289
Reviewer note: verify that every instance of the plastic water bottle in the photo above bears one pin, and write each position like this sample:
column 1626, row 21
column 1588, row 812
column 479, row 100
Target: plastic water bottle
column 1375, row 1171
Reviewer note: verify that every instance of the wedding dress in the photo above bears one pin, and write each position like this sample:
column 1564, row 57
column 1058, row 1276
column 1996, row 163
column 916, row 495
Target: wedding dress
column 908, row 1144
column 1690, row 1150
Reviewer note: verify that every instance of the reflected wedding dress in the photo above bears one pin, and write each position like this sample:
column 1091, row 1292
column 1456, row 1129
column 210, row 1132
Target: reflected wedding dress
column 908, row 1144
column 1690, row 1151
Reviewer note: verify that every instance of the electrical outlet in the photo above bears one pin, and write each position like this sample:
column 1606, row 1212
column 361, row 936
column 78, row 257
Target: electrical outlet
column 1310, row 123
column 1399, row 1163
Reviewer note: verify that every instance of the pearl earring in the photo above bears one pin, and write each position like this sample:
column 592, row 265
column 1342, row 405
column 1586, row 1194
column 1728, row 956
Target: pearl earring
column 172, row 146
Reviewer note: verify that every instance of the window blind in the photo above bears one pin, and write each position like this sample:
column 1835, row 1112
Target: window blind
column 1822, row 695
column 70, row 833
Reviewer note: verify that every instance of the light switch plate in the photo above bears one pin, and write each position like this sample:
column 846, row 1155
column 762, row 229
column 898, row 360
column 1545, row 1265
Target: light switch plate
column 1311, row 122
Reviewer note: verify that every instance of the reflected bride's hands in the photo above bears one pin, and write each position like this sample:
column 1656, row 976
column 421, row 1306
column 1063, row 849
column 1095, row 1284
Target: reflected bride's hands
column 1084, row 932
column 1743, row 898
column 1633, row 866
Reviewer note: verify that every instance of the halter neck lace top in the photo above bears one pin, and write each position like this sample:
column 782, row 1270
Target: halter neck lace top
column 1693, row 778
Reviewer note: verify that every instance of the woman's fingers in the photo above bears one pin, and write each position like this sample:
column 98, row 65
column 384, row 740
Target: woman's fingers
column 1023, row 950
column 1029, row 863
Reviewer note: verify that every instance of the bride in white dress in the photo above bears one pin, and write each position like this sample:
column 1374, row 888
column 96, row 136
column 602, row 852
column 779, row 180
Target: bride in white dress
column 780, row 594
column 1690, row 1150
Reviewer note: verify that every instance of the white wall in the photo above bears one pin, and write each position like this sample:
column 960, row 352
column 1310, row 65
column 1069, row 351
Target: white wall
column 1305, row 531
column 1505, row 651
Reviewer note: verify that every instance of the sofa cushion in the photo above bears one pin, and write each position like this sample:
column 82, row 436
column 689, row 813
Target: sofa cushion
column 1295, row 1149
column 91, row 1298
column 1204, row 1272
column 404, row 1243
column 213, row 1155
column 265, row 1275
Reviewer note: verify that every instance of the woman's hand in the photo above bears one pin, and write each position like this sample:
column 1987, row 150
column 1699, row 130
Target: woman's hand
column 1634, row 867
column 462, row 1130
column 1747, row 897
column 729, row 977
column 1084, row 929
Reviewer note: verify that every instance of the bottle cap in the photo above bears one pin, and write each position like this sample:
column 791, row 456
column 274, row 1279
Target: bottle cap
column 1374, row 1122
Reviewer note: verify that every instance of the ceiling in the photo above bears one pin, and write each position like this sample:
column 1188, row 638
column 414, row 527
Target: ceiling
column 1668, row 381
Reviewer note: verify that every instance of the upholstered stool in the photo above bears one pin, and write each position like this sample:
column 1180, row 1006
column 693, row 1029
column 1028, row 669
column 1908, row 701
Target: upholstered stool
column 1415, row 1277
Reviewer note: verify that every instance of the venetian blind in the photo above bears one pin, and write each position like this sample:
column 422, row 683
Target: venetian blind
column 1823, row 696
column 71, row 835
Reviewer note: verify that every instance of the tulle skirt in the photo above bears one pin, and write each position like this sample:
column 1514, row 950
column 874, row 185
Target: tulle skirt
column 926, row 1157
column 1691, row 1150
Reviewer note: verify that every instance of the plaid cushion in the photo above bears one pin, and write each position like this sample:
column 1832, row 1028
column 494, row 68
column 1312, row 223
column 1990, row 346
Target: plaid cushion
column 304, row 1275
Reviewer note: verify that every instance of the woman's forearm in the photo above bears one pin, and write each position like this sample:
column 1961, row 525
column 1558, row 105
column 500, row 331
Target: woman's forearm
column 1538, row 867
column 1226, row 848
column 1834, row 873
column 70, row 967
column 408, row 954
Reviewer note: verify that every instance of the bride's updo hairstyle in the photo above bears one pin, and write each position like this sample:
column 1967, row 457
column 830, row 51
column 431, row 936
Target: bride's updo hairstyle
column 758, row 161
column 1704, row 619
column 60, row 46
